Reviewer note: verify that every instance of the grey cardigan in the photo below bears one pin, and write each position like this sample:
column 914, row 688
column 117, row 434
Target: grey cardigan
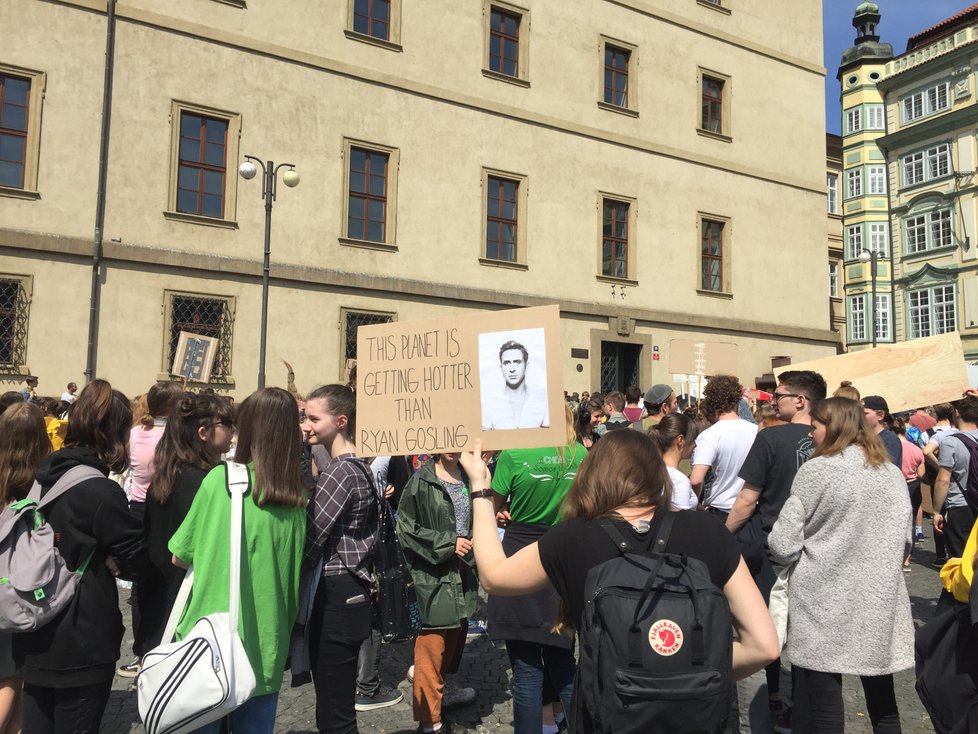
column 848, row 527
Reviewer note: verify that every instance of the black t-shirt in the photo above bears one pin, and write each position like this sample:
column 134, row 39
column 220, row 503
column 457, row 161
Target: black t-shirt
column 771, row 464
column 569, row 550
column 893, row 447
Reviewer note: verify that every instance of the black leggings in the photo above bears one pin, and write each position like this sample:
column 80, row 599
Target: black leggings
column 64, row 710
column 819, row 709
column 913, row 486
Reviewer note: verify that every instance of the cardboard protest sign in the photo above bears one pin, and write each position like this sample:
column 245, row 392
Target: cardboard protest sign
column 907, row 374
column 437, row 385
column 702, row 358
column 194, row 356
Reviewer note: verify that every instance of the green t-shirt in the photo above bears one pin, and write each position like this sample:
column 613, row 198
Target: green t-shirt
column 536, row 481
column 271, row 555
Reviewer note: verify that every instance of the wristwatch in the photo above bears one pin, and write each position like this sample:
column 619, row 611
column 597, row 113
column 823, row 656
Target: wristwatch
column 485, row 494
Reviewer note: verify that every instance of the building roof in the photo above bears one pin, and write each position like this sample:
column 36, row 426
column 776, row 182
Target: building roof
column 867, row 7
column 945, row 27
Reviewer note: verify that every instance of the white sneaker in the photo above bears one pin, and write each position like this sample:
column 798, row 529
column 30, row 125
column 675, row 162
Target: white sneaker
column 410, row 674
column 453, row 696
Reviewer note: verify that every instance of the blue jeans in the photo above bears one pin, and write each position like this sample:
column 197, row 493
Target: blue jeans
column 256, row 716
column 530, row 661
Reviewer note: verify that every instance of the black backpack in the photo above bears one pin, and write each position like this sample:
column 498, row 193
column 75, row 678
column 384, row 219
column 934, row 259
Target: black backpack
column 656, row 644
column 971, row 487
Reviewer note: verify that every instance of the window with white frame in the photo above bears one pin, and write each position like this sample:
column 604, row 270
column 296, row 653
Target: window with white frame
column 877, row 180
column 927, row 165
column 854, row 183
column 874, row 117
column 931, row 311
column 853, row 120
column 833, row 279
column 857, row 318
column 860, row 314
column 854, row 241
column 928, row 231
column 926, row 102
column 878, row 238
column 832, row 187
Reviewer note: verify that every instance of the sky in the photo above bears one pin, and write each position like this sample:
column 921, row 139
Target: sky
column 900, row 20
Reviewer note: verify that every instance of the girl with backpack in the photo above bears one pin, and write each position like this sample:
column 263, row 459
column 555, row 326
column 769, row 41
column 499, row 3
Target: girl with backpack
column 623, row 480
column 198, row 432
column 68, row 664
column 274, row 530
column 25, row 445
column 846, row 526
column 344, row 520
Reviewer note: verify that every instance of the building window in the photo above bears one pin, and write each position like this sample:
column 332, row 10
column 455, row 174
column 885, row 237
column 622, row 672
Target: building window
column 931, row 311
column 205, row 143
column 875, row 119
column 616, row 62
column 371, row 194
column 712, row 104
column 833, row 279
column 860, row 313
column 205, row 315
column 926, row 102
column 15, row 304
column 507, row 29
column 929, row 231
column 615, row 238
column 502, row 219
column 927, row 165
column 832, row 185
column 712, row 256
column 372, row 18
column 854, row 241
column 857, row 318
column 353, row 320
column 877, row 180
column 21, row 93
column 878, row 238
column 854, row 183
column 854, row 120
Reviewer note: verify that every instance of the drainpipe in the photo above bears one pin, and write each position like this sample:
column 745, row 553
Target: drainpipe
column 103, row 165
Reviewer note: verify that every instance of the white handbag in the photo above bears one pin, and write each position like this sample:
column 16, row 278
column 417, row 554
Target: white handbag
column 185, row 685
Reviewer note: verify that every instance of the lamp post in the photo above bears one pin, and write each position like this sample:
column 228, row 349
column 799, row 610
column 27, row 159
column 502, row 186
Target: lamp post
column 290, row 178
column 871, row 256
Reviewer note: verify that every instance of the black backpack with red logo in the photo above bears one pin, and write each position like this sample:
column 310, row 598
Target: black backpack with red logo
column 656, row 644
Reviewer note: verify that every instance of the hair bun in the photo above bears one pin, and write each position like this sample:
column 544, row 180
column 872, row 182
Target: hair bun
column 845, row 383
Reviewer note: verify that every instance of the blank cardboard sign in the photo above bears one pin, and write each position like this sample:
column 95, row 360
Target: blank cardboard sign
column 702, row 357
column 908, row 374
column 437, row 385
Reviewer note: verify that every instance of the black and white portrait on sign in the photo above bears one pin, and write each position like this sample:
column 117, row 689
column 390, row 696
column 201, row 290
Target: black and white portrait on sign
column 513, row 377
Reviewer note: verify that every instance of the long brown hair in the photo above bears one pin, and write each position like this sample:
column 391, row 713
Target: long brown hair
column 101, row 419
column 624, row 469
column 25, row 445
column 268, row 437
column 845, row 425
column 160, row 401
column 181, row 445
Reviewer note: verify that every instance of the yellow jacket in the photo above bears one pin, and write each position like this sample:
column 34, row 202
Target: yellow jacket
column 958, row 572
column 57, row 430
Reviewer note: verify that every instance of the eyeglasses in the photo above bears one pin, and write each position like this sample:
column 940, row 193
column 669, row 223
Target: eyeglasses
column 779, row 395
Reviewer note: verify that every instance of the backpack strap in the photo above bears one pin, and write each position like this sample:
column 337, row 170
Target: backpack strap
column 658, row 541
column 75, row 475
column 239, row 485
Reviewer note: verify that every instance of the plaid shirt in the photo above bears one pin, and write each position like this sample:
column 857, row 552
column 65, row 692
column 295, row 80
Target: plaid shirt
column 343, row 519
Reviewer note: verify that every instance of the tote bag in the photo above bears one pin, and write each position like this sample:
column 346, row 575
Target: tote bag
column 184, row 685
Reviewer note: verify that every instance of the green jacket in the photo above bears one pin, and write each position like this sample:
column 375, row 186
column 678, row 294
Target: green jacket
column 445, row 586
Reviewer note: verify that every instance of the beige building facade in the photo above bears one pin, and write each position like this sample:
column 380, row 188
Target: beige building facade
column 622, row 159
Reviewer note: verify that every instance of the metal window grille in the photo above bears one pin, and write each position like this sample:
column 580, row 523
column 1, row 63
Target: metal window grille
column 14, row 311
column 208, row 317
column 356, row 319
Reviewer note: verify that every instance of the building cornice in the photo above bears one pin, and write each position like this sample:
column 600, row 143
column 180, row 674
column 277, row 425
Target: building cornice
column 128, row 255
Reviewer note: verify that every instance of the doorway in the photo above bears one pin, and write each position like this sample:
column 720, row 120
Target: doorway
column 620, row 366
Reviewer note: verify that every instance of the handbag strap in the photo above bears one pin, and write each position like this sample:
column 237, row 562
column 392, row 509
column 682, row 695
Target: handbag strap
column 239, row 484
column 179, row 605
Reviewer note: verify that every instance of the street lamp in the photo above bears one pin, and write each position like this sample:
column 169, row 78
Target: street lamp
column 248, row 170
column 871, row 256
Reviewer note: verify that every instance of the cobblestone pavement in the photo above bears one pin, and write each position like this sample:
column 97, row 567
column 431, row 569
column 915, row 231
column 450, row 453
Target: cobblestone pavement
column 485, row 667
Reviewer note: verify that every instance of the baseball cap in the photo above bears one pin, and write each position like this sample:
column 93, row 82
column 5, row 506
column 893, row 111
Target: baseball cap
column 875, row 402
column 658, row 394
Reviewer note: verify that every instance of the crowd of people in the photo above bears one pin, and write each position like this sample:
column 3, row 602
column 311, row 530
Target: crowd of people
column 807, row 502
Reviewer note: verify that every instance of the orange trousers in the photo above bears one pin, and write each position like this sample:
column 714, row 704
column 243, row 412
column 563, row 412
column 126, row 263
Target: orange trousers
column 437, row 652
